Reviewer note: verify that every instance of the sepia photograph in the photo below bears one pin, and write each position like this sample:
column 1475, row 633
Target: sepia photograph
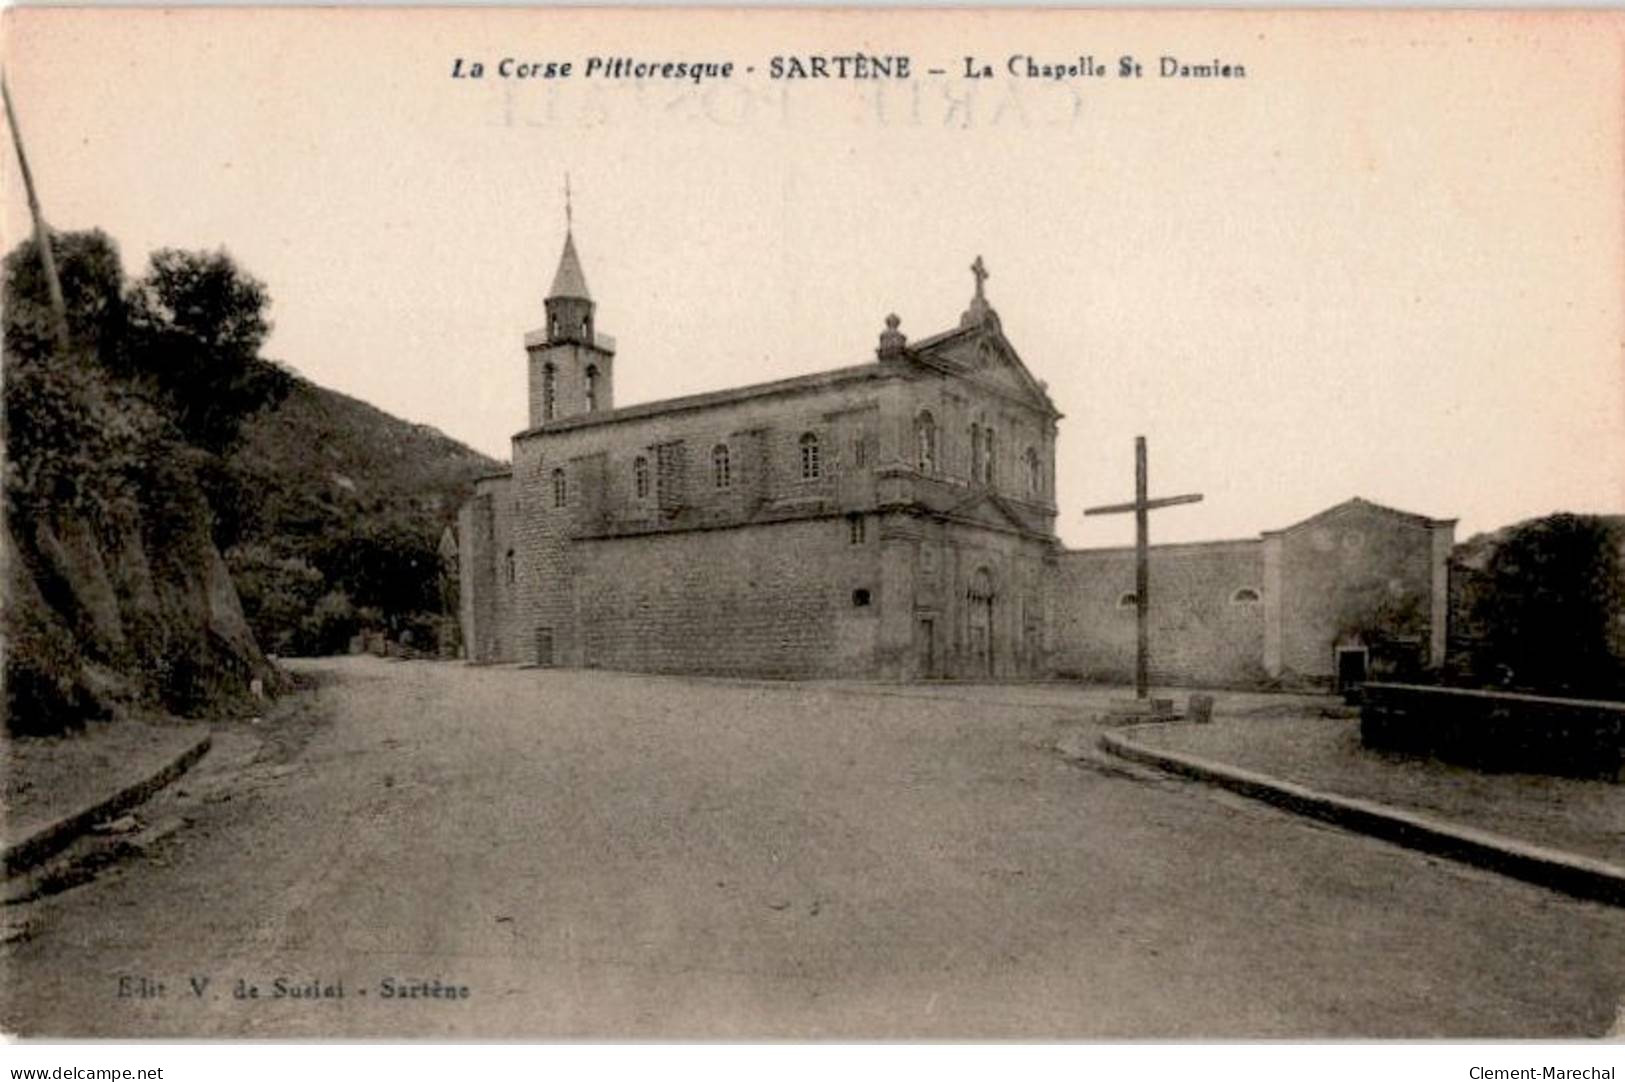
column 837, row 525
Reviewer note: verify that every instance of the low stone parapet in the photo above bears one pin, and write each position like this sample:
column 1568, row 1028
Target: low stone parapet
column 1496, row 730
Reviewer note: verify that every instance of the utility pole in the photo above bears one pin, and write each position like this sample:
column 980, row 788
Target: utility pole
column 42, row 235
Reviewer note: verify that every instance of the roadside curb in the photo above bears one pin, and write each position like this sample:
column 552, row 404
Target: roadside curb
column 53, row 837
column 1580, row 876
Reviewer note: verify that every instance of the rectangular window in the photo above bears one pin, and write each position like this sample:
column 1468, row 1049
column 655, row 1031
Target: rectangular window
column 721, row 466
column 855, row 529
column 811, row 468
column 669, row 467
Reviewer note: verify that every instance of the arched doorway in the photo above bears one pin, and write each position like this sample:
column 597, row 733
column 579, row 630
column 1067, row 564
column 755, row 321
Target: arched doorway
column 979, row 619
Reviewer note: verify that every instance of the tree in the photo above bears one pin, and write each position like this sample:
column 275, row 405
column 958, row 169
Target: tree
column 197, row 323
column 388, row 566
column 1550, row 607
column 277, row 594
column 204, row 297
column 92, row 288
column 71, row 439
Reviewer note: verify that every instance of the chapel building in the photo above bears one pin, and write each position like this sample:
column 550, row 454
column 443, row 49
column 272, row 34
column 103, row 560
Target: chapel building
column 892, row 519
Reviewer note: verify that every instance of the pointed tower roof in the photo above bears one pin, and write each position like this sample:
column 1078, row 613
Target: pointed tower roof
column 568, row 281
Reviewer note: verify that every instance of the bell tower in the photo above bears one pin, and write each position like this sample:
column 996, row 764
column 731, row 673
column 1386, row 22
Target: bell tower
column 571, row 364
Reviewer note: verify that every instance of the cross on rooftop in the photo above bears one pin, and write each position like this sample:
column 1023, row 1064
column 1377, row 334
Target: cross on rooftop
column 979, row 269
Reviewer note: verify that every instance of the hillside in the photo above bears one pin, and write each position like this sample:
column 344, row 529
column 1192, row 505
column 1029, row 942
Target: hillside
column 175, row 503
column 330, row 512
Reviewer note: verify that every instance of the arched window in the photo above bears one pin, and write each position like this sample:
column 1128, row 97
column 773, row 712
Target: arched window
column 561, row 491
column 721, row 467
column 981, row 585
column 1128, row 600
column 509, row 564
column 925, row 440
column 1244, row 596
column 640, row 477
column 810, row 467
column 592, row 387
column 550, row 390
column 989, row 461
column 1035, row 473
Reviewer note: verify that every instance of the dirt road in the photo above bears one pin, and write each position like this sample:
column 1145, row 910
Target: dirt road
column 560, row 854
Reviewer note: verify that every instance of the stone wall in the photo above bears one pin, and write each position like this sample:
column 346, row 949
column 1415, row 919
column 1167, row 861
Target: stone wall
column 562, row 550
column 1201, row 631
column 1497, row 730
column 485, row 586
column 774, row 600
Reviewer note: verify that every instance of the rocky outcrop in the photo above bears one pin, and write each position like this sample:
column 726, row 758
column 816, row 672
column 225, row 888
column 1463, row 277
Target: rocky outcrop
column 134, row 611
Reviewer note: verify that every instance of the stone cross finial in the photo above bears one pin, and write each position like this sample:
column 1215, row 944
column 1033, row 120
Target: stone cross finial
column 569, row 213
column 980, row 312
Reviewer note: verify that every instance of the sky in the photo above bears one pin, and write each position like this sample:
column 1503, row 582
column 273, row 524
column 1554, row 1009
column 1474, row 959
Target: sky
column 1389, row 262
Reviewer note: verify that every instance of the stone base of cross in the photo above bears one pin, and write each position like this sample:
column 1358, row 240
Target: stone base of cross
column 1142, row 506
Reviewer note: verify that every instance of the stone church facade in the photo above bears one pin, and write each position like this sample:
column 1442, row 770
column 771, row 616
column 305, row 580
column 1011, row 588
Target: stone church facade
column 894, row 519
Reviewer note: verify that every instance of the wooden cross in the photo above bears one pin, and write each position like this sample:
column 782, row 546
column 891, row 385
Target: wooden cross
column 1142, row 507
column 979, row 269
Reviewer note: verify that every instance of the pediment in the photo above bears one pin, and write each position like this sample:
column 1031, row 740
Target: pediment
column 1358, row 508
column 990, row 509
column 984, row 355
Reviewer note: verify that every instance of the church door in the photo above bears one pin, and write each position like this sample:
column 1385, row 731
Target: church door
column 925, row 646
column 981, row 657
column 1351, row 666
column 980, row 602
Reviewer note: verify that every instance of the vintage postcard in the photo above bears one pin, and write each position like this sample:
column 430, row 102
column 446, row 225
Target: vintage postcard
column 831, row 525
